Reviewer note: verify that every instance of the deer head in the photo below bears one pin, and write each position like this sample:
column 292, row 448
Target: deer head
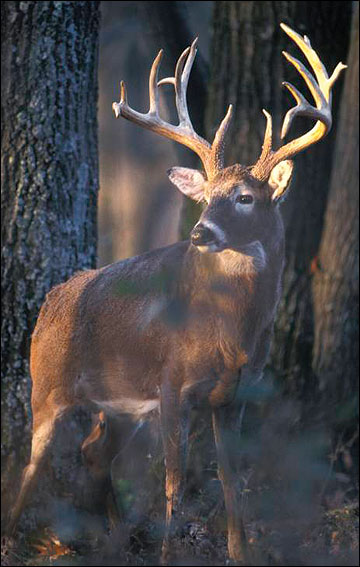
column 244, row 196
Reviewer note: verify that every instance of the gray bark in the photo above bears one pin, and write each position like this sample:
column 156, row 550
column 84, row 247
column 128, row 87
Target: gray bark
column 49, row 181
column 336, row 277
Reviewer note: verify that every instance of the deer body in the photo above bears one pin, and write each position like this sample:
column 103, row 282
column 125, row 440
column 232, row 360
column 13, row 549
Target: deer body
column 115, row 334
column 110, row 346
column 183, row 325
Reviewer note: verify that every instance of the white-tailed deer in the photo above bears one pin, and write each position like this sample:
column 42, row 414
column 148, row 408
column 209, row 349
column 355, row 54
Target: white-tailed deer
column 182, row 325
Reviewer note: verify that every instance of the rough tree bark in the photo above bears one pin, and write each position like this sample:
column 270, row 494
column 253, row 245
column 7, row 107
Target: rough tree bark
column 49, row 181
column 247, row 71
column 336, row 278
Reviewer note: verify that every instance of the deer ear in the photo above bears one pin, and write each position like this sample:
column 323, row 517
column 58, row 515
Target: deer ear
column 189, row 181
column 280, row 179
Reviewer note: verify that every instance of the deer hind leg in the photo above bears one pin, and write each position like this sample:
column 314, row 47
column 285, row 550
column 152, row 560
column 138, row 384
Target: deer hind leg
column 225, row 425
column 42, row 438
column 174, row 428
column 98, row 451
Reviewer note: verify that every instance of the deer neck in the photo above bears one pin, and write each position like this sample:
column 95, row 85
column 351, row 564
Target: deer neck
column 235, row 276
column 251, row 260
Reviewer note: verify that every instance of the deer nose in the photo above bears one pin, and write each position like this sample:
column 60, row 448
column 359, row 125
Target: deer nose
column 201, row 235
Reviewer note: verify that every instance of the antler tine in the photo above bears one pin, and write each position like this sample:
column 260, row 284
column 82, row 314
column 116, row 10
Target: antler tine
column 152, row 117
column 184, row 79
column 304, row 44
column 267, row 144
column 180, row 82
column 322, row 98
column 320, row 89
column 184, row 133
column 153, row 86
column 303, row 108
column 178, row 71
column 218, row 145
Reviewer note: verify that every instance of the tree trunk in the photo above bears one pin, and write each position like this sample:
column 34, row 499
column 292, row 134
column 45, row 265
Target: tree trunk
column 247, row 71
column 336, row 278
column 49, row 181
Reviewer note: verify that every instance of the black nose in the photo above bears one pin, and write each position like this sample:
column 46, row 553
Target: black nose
column 201, row 235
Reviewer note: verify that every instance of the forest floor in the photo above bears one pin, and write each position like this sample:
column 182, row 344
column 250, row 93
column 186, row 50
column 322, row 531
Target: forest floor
column 330, row 539
column 334, row 541
column 299, row 508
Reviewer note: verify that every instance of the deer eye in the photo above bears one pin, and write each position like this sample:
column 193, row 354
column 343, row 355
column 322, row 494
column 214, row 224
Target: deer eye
column 245, row 199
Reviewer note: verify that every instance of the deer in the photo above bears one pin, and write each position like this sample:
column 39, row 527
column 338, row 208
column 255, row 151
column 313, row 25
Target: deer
column 186, row 324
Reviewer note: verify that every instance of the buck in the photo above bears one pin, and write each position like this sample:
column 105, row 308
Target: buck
column 185, row 324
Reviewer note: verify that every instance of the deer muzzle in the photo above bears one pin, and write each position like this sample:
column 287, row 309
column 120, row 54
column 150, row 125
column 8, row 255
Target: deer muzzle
column 201, row 235
column 208, row 237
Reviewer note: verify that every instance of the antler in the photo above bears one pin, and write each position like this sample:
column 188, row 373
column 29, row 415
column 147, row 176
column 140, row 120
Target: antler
column 212, row 156
column 321, row 92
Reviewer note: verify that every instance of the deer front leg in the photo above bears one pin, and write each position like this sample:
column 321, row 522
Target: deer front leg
column 224, row 424
column 174, row 428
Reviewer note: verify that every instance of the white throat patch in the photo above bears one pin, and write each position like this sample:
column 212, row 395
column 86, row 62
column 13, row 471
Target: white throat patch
column 252, row 257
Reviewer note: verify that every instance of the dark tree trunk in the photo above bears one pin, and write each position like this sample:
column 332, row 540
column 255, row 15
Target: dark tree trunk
column 247, row 71
column 336, row 278
column 49, row 181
